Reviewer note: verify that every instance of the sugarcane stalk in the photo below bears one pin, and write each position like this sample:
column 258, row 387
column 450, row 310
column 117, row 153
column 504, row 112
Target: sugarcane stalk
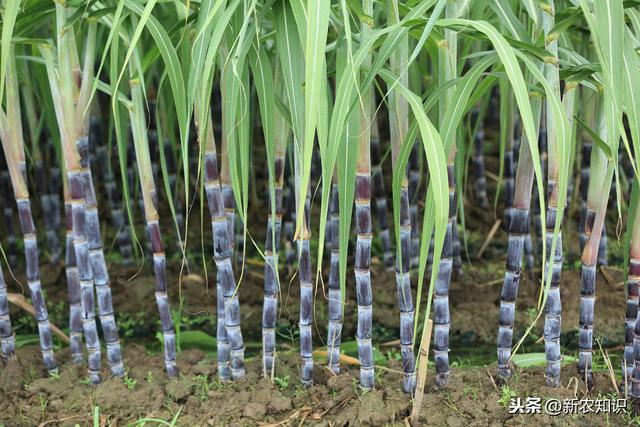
column 509, row 161
column 96, row 138
column 588, row 281
column 274, row 225
column 518, row 230
column 334, row 331
column 152, row 218
column 221, row 251
column 479, row 179
column 98, row 273
column 414, row 181
column 98, row 264
column 602, row 250
column 585, row 173
column 114, row 199
column 13, row 146
column 54, row 188
column 528, row 243
column 380, row 197
column 631, row 312
column 71, row 87
column 289, row 214
column 225, row 266
column 542, row 149
column 528, row 248
column 7, row 211
column 398, row 127
column 73, row 286
column 45, row 201
column 441, row 318
column 305, row 276
column 37, row 155
column 170, row 160
column 62, row 91
column 456, row 250
column 553, row 309
column 597, row 198
column 271, row 281
column 227, row 196
column 447, row 69
column 364, row 228
column 7, row 336
column 153, row 138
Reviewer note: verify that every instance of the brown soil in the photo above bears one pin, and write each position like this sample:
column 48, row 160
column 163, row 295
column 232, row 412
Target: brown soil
column 198, row 399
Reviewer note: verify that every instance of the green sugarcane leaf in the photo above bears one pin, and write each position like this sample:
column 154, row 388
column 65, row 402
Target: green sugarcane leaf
column 193, row 339
column 9, row 16
column 532, row 9
column 198, row 53
column 289, row 54
column 356, row 8
column 529, row 360
column 169, row 56
column 602, row 145
column 509, row 20
column 346, row 189
column 284, row 111
column 606, row 23
column 634, row 18
column 79, row 13
column 316, row 40
column 29, row 42
column 350, row 348
column 531, row 49
column 115, row 28
column 577, row 74
column 631, row 99
column 119, row 126
column 263, row 79
column 565, row 18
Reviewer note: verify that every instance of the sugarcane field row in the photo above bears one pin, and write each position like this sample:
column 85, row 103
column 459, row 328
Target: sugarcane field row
column 332, row 212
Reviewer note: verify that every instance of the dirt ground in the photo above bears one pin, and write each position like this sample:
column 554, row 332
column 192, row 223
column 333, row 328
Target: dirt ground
column 198, row 399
